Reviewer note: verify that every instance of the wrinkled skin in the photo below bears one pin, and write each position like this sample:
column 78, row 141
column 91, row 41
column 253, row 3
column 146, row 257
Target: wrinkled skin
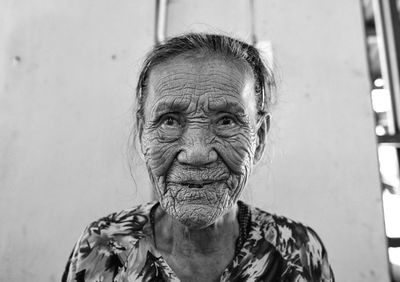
column 200, row 135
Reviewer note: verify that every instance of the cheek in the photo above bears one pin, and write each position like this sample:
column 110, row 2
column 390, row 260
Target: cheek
column 238, row 151
column 159, row 151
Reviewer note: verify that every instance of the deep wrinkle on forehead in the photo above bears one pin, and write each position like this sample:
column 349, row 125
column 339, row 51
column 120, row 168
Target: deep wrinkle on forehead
column 224, row 84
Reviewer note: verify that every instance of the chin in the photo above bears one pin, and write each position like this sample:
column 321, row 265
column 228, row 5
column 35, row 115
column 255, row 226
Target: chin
column 195, row 215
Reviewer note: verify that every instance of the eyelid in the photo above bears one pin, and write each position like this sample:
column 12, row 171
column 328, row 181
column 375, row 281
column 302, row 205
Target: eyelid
column 236, row 118
column 165, row 116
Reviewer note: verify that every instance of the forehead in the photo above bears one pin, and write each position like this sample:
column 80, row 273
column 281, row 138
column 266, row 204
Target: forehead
column 200, row 77
column 200, row 69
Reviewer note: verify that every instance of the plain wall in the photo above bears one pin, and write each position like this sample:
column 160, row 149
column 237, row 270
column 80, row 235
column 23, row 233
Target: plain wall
column 68, row 71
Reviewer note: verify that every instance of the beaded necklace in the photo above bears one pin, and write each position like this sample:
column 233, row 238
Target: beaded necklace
column 243, row 218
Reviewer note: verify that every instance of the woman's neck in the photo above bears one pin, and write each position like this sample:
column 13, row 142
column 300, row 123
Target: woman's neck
column 174, row 238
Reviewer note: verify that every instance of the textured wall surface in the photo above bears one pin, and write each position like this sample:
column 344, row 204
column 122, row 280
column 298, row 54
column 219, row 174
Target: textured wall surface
column 68, row 71
column 67, row 78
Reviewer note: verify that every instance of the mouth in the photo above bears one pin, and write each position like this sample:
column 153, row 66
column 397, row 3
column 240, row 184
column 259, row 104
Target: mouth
column 193, row 184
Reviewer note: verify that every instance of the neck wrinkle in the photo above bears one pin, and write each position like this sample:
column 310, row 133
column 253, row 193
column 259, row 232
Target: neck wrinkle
column 174, row 238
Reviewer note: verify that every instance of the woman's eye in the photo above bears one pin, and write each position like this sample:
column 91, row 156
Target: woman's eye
column 226, row 122
column 170, row 122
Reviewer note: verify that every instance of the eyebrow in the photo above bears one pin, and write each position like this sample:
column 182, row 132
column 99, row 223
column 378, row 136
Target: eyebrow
column 180, row 104
column 168, row 105
column 223, row 105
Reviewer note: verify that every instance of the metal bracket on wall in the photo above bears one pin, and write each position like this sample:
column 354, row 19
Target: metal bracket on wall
column 388, row 31
column 161, row 21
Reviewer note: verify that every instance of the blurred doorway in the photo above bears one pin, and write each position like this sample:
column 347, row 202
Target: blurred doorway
column 382, row 26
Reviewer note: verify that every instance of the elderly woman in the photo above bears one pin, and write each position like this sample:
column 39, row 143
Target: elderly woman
column 202, row 121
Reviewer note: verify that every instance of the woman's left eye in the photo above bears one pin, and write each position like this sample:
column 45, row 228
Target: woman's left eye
column 226, row 121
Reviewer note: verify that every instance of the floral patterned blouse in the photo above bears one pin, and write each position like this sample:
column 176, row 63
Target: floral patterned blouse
column 120, row 248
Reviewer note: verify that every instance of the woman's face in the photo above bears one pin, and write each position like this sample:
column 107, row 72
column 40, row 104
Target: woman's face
column 200, row 135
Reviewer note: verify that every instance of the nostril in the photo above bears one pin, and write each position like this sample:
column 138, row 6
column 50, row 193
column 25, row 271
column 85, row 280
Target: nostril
column 212, row 156
column 182, row 157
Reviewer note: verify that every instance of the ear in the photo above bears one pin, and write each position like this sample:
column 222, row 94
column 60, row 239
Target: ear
column 140, row 125
column 261, row 137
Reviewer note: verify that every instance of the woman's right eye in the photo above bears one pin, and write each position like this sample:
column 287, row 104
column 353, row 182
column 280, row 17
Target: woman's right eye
column 170, row 122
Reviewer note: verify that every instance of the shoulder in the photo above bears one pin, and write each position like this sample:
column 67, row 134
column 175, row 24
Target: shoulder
column 300, row 247
column 105, row 244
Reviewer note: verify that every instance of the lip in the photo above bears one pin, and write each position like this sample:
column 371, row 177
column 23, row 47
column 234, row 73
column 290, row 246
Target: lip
column 196, row 183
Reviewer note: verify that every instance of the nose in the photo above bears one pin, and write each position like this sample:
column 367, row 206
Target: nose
column 197, row 150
